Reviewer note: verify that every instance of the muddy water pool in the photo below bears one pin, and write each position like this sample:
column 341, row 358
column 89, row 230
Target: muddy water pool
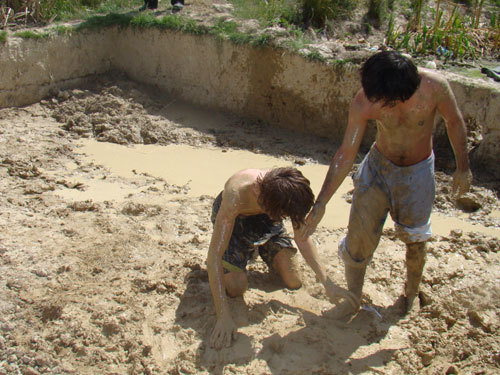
column 204, row 171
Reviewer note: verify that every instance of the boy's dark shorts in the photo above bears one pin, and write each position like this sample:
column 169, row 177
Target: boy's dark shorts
column 251, row 233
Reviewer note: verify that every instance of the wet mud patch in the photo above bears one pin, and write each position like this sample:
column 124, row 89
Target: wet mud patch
column 478, row 204
column 123, row 112
column 119, row 286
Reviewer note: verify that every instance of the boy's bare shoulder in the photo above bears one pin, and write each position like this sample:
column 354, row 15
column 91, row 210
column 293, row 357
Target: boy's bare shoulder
column 243, row 178
column 361, row 103
column 243, row 183
column 432, row 78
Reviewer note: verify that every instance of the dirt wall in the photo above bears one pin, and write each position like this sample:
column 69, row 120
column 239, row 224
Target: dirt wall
column 31, row 69
column 274, row 85
column 479, row 102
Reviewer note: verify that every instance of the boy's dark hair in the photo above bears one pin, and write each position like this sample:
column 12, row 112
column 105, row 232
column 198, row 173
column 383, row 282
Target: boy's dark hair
column 286, row 192
column 389, row 76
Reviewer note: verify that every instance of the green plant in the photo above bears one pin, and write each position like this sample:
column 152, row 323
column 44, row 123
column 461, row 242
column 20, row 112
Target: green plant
column 224, row 27
column 390, row 36
column 417, row 7
column 112, row 19
column 229, row 30
column 268, row 12
column 297, row 41
column 192, row 27
column 317, row 12
column 3, row 36
column 240, row 38
column 115, row 6
column 63, row 30
column 28, row 34
column 315, row 56
column 455, row 35
column 377, row 12
column 49, row 10
column 261, row 40
column 339, row 63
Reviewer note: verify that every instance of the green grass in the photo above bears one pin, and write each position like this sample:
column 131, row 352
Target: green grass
column 116, row 6
column 315, row 56
column 145, row 21
column 113, row 19
column 28, row 34
column 341, row 62
column 298, row 40
column 451, row 34
column 455, row 31
column 261, row 40
column 3, row 36
column 318, row 12
column 193, row 28
column 63, row 10
column 268, row 12
column 293, row 12
column 63, row 30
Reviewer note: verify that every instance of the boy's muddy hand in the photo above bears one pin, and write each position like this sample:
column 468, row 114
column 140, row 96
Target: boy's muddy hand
column 311, row 222
column 335, row 292
column 223, row 333
column 461, row 182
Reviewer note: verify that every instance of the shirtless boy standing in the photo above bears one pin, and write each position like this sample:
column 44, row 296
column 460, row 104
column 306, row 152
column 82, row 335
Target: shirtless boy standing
column 397, row 175
column 248, row 216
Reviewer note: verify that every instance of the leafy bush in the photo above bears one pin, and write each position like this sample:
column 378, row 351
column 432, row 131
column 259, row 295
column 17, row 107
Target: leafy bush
column 317, row 12
column 46, row 10
column 269, row 12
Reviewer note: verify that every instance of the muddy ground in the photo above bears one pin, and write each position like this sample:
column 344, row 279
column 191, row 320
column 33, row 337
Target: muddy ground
column 120, row 286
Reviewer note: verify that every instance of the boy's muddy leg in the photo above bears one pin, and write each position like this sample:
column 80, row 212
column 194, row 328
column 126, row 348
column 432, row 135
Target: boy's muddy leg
column 355, row 277
column 236, row 283
column 415, row 261
column 285, row 263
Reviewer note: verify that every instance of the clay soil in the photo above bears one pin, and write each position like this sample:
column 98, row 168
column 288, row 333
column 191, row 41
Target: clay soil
column 119, row 286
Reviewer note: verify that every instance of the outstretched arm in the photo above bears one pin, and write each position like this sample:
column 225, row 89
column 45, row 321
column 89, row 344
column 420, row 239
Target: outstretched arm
column 225, row 328
column 341, row 163
column 334, row 292
column 457, row 134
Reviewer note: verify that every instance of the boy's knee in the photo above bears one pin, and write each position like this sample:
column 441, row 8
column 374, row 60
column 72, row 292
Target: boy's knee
column 236, row 283
column 285, row 263
column 293, row 282
column 352, row 256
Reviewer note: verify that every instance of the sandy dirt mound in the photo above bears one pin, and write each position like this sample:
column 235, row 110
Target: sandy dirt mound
column 120, row 287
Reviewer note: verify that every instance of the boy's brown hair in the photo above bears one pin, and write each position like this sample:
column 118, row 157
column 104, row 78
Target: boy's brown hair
column 286, row 192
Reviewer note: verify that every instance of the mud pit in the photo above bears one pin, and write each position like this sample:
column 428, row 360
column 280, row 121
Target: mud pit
column 103, row 246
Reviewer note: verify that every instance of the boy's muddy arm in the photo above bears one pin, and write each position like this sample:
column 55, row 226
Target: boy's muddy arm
column 308, row 250
column 461, row 182
column 457, row 134
column 225, row 328
column 339, row 168
column 340, row 165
